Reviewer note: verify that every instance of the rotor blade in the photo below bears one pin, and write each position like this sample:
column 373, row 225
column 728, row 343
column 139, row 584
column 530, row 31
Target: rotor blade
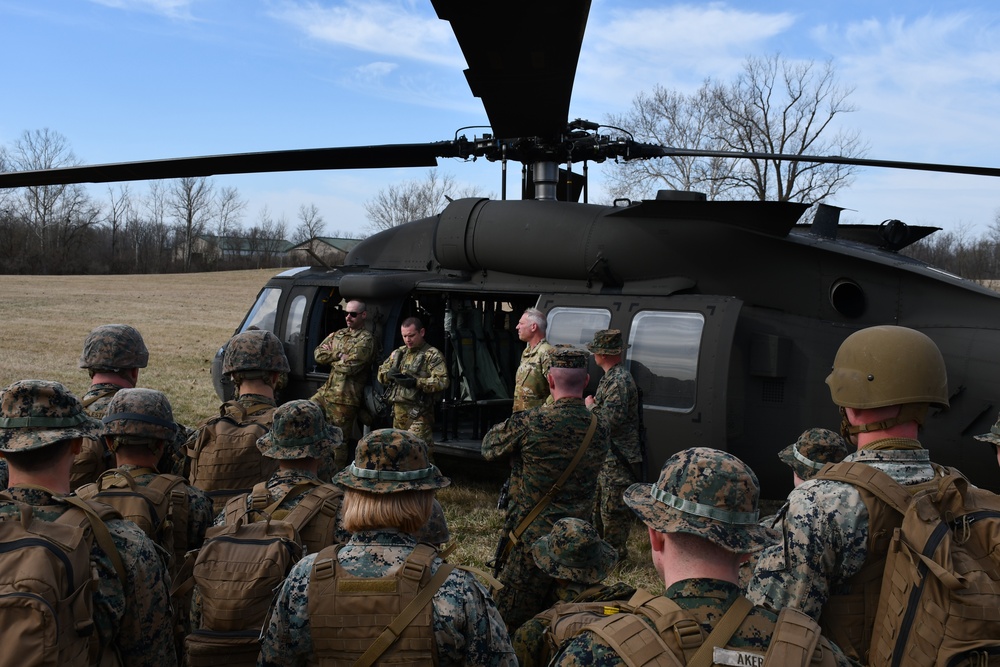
column 522, row 58
column 356, row 157
column 651, row 150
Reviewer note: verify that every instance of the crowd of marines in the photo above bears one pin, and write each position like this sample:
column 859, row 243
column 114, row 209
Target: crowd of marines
column 575, row 490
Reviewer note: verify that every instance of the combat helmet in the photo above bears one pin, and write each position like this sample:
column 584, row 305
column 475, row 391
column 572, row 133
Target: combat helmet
column 889, row 365
column 254, row 351
column 139, row 416
column 114, row 347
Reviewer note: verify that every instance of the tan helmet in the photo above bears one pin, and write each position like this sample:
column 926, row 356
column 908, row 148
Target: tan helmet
column 888, row 365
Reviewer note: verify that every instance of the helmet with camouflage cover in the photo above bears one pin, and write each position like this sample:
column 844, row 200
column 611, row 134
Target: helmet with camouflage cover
column 114, row 347
column 254, row 350
column 299, row 430
column 390, row 460
column 888, row 365
column 36, row 413
column 708, row 493
column 139, row 415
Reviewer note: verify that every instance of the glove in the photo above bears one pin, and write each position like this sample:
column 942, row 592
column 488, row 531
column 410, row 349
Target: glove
column 404, row 380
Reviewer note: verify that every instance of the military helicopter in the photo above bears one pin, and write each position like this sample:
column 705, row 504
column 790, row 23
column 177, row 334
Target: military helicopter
column 733, row 310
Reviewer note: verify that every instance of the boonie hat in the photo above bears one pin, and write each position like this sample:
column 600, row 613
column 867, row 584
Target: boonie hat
column 390, row 460
column 812, row 450
column 993, row 437
column 708, row 493
column 36, row 413
column 607, row 341
column 299, row 430
column 573, row 550
column 567, row 356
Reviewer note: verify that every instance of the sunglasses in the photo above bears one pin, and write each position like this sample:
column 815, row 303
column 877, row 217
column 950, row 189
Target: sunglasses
column 352, row 314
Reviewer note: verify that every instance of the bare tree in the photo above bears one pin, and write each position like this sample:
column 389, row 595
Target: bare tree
column 189, row 201
column 311, row 224
column 773, row 106
column 119, row 211
column 670, row 118
column 413, row 200
column 229, row 213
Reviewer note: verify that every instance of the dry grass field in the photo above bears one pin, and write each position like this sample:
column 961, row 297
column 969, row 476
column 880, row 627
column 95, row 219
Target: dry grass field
column 184, row 318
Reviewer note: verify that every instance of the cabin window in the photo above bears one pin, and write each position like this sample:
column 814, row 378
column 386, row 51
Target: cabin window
column 264, row 313
column 295, row 320
column 575, row 326
column 663, row 358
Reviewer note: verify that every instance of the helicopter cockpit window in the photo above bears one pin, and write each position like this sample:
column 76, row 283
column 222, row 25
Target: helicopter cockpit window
column 295, row 320
column 264, row 311
column 575, row 326
column 663, row 358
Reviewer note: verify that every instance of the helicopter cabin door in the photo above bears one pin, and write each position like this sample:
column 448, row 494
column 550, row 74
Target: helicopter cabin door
column 679, row 354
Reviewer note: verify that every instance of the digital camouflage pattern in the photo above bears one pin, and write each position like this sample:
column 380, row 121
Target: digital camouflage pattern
column 413, row 407
column 299, row 430
column 114, row 347
column 574, row 551
column 435, row 531
column 812, row 450
column 140, row 414
column 390, row 460
column 616, row 401
column 530, row 642
column 706, row 600
column 254, row 350
column 36, row 413
column 467, row 627
column 607, row 341
column 993, row 437
column 349, row 353
column 567, row 356
column 825, row 540
column 708, row 493
column 540, row 444
column 531, row 386
column 136, row 619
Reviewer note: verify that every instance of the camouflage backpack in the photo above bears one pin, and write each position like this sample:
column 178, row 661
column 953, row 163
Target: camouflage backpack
column 160, row 508
column 224, row 457
column 939, row 597
column 47, row 582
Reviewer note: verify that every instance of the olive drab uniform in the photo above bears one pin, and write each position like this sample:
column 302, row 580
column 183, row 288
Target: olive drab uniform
column 531, row 387
column 413, row 407
column 541, row 444
column 349, row 353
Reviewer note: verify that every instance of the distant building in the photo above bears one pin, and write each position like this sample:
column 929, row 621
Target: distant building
column 208, row 248
column 320, row 251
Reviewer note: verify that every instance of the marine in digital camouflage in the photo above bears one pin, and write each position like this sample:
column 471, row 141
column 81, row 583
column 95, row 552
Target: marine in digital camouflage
column 413, row 407
column 825, row 539
column 531, row 387
column 467, row 627
column 540, row 444
column 812, row 450
column 616, row 401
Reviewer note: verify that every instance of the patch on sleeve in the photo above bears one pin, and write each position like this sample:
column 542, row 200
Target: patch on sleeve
column 724, row 656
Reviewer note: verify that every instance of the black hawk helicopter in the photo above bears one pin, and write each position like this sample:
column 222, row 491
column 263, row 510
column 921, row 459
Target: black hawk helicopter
column 733, row 311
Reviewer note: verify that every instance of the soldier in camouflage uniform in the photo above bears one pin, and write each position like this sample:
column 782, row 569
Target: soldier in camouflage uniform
column 883, row 378
column 42, row 425
column 702, row 518
column 540, row 444
column 531, row 387
column 576, row 557
column 388, row 493
column 113, row 354
column 992, row 438
column 349, row 353
column 617, row 403
column 414, row 374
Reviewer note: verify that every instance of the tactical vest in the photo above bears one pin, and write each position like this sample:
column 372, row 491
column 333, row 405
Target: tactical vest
column 315, row 515
column 160, row 508
column 347, row 614
column 224, row 457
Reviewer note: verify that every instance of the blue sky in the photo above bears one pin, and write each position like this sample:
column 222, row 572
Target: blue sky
column 130, row 80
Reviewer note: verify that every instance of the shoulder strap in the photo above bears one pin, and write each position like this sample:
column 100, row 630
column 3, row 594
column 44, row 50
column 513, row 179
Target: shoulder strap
column 722, row 632
column 101, row 534
column 165, row 483
column 637, row 644
column 794, row 641
column 316, row 496
column 872, row 480
column 515, row 534
column 391, row 633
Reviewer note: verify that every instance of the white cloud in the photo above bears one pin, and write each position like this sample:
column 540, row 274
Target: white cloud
column 177, row 9
column 375, row 71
